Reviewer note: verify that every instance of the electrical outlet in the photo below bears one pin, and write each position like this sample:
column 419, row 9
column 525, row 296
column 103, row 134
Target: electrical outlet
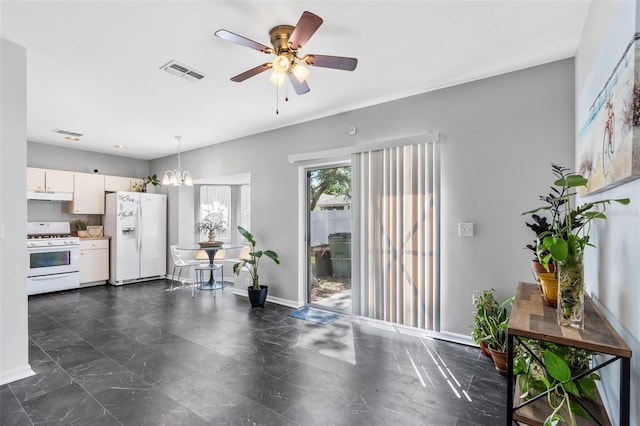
column 247, row 281
column 465, row 229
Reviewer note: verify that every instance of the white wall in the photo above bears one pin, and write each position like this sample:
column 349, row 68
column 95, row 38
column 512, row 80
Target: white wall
column 14, row 355
column 612, row 271
column 500, row 136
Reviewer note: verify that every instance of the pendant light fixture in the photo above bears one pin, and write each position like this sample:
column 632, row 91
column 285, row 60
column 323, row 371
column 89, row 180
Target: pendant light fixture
column 177, row 176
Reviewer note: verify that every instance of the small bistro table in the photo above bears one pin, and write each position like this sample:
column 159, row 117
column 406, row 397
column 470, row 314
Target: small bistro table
column 534, row 319
column 211, row 254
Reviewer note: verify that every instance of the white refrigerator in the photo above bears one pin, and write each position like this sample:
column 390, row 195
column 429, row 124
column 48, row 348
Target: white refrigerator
column 137, row 225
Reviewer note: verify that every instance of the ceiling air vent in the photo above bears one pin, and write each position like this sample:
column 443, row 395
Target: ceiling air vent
column 181, row 70
column 67, row 133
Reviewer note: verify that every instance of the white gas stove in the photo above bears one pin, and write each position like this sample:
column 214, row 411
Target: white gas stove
column 54, row 257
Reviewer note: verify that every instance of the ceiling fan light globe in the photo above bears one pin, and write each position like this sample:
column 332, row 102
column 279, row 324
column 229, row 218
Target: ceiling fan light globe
column 281, row 64
column 300, row 72
column 277, row 78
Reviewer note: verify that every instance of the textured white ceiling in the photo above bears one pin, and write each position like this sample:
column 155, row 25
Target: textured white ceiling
column 93, row 66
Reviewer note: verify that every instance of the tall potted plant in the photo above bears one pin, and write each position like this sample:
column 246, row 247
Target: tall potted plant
column 566, row 241
column 257, row 292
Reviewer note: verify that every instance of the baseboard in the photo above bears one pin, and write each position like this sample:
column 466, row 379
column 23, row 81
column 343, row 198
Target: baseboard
column 272, row 299
column 16, row 374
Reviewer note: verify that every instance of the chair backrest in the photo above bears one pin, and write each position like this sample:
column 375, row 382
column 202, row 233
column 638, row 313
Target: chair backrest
column 174, row 253
column 244, row 253
column 181, row 257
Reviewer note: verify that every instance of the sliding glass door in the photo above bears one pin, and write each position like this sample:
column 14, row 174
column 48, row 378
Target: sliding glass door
column 329, row 237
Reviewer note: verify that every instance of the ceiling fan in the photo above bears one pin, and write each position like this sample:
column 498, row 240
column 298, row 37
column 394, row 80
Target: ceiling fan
column 287, row 42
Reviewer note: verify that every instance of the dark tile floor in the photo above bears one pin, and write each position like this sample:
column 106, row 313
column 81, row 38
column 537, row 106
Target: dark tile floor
column 138, row 355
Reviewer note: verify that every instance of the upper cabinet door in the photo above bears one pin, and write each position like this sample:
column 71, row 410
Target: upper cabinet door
column 35, row 179
column 88, row 194
column 49, row 180
column 59, row 181
column 117, row 183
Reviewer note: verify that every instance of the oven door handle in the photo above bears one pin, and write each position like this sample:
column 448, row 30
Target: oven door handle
column 49, row 277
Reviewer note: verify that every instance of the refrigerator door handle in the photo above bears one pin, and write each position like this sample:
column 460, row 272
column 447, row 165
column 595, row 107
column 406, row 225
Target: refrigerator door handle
column 139, row 228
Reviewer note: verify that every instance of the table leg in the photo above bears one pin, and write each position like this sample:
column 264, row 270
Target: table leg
column 509, row 380
column 212, row 284
column 625, row 390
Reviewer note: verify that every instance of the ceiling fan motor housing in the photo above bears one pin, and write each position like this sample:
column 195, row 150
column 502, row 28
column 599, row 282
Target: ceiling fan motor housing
column 280, row 38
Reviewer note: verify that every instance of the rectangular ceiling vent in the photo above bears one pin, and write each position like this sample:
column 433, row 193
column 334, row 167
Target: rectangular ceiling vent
column 181, row 70
column 67, row 133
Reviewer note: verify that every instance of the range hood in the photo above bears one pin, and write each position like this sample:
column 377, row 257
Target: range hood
column 49, row 196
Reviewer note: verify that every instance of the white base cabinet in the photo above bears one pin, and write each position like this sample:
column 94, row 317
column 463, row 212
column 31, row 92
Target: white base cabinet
column 94, row 261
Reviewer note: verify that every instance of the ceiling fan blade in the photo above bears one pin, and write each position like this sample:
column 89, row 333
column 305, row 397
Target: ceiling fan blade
column 305, row 28
column 250, row 73
column 337, row 62
column 235, row 38
column 300, row 88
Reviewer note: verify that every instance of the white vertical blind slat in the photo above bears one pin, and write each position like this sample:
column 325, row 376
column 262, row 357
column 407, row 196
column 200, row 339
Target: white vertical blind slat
column 396, row 234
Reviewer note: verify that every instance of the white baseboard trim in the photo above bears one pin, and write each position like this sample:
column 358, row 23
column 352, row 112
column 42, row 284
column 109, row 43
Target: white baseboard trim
column 418, row 332
column 16, row 374
column 272, row 299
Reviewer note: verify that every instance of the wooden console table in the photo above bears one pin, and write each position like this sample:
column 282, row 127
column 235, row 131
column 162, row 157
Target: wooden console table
column 532, row 318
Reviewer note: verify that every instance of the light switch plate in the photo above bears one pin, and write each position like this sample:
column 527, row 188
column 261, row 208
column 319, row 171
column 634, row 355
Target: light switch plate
column 465, row 229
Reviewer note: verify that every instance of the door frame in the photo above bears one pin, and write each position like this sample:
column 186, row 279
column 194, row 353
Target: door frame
column 303, row 222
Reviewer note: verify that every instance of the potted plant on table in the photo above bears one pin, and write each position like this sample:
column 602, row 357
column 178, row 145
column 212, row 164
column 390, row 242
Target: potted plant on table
column 564, row 243
column 540, row 226
column 213, row 226
column 257, row 292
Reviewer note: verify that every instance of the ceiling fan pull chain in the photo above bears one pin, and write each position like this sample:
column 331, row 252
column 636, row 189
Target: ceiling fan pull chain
column 277, row 112
column 286, row 92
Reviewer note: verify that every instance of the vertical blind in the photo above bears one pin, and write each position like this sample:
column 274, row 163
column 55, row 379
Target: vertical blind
column 396, row 235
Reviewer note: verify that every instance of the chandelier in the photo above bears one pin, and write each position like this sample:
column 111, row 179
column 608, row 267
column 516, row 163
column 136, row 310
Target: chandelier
column 177, row 176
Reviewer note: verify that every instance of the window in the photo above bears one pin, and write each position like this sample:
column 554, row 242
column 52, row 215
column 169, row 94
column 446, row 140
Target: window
column 230, row 203
column 215, row 203
column 245, row 207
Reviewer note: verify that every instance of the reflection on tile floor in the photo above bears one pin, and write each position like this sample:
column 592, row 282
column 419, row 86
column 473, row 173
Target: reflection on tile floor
column 138, row 355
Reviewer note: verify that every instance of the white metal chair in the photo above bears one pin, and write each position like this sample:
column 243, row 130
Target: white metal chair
column 201, row 268
column 181, row 259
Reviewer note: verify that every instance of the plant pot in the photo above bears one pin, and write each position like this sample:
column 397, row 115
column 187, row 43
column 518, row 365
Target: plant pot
column 538, row 269
column 549, row 284
column 571, row 293
column 258, row 297
column 82, row 234
column 484, row 348
column 499, row 361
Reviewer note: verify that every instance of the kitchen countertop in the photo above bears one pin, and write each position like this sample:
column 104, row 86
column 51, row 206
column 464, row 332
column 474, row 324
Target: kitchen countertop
column 95, row 238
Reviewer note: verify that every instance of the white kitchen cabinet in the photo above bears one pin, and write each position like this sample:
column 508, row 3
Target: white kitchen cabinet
column 49, row 180
column 119, row 183
column 88, row 194
column 94, row 261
